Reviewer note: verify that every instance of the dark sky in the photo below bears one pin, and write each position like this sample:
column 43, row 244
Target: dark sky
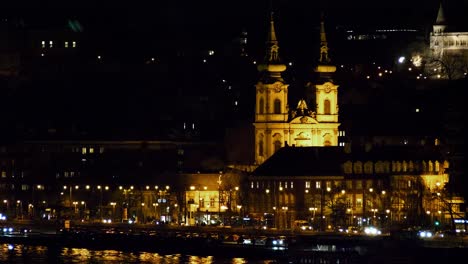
column 234, row 11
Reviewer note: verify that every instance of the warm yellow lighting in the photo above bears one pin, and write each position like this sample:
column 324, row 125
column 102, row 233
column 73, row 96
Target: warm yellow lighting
column 267, row 190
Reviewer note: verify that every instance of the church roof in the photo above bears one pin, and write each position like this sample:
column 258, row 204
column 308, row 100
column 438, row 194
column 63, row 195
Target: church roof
column 440, row 16
column 328, row 161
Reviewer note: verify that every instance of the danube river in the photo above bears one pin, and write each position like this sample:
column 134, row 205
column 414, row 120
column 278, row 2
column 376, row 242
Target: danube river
column 41, row 254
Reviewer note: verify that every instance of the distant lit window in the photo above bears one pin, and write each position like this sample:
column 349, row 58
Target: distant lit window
column 3, row 174
column 307, row 184
column 251, row 185
column 292, row 185
column 91, row 150
column 202, row 203
column 83, row 150
column 358, row 185
column 358, row 203
column 24, row 187
column 51, row 44
column 65, row 174
column 74, row 44
column 101, row 149
column 66, row 44
column 212, row 202
column 72, row 173
column 43, row 44
column 317, row 185
column 211, row 52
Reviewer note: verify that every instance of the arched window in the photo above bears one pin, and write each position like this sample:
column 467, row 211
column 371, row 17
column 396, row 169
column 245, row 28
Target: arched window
column 277, row 106
column 261, row 106
column 326, row 107
column 277, row 145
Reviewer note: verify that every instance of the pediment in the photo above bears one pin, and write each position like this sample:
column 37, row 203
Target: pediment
column 303, row 120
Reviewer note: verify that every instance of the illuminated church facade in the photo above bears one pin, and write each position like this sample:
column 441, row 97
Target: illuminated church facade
column 278, row 122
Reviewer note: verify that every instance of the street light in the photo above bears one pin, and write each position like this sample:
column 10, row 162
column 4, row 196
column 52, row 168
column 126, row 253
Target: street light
column 75, row 203
column 19, row 205
column 113, row 210
column 6, row 204
column 313, row 210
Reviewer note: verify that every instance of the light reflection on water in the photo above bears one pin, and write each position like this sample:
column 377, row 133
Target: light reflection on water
column 41, row 254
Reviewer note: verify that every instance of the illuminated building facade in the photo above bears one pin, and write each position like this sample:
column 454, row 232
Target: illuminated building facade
column 335, row 186
column 449, row 50
column 277, row 123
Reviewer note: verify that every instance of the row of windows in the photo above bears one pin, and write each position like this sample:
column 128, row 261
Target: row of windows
column 277, row 107
column 370, row 167
column 86, row 150
column 5, row 175
column 66, row 44
column 348, row 184
column 452, row 42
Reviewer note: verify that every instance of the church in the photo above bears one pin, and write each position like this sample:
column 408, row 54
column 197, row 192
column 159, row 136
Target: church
column 280, row 123
column 449, row 49
column 304, row 173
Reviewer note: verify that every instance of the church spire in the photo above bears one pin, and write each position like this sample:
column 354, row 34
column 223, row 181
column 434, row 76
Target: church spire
column 271, row 55
column 440, row 23
column 323, row 42
column 271, row 67
column 324, row 67
column 440, row 16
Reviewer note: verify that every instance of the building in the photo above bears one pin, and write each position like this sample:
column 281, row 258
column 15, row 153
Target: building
column 336, row 186
column 277, row 122
column 448, row 50
column 314, row 177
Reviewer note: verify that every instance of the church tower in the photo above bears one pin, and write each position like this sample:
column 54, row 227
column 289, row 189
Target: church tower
column 438, row 34
column 440, row 24
column 275, row 124
column 271, row 105
column 326, row 94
